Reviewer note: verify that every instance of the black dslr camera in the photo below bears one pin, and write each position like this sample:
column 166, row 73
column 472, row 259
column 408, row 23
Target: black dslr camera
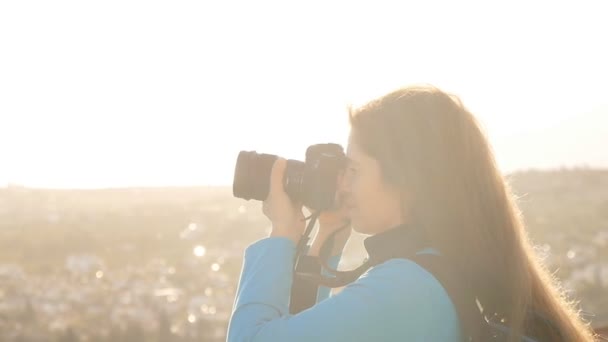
column 313, row 182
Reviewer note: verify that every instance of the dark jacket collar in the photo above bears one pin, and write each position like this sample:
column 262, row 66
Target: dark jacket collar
column 401, row 241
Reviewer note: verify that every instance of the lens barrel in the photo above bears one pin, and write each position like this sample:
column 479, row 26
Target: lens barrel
column 252, row 175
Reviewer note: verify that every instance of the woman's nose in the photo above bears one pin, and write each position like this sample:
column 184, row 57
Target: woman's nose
column 343, row 183
column 344, row 189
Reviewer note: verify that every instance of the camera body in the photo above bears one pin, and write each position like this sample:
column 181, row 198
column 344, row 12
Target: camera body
column 312, row 182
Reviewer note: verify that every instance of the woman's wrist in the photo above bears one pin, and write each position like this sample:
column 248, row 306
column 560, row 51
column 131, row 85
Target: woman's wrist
column 320, row 239
column 280, row 232
column 292, row 228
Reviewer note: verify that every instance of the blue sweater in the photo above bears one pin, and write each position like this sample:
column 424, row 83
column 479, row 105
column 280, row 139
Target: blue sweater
column 396, row 300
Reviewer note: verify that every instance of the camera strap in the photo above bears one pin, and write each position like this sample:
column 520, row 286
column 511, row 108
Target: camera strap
column 300, row 247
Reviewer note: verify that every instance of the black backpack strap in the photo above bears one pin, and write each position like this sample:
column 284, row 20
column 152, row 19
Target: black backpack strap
column 472, row 322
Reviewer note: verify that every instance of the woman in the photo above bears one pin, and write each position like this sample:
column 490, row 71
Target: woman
column 422, row 177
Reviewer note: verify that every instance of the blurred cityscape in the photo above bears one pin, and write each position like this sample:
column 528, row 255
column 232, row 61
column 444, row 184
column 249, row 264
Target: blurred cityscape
column 162, row 264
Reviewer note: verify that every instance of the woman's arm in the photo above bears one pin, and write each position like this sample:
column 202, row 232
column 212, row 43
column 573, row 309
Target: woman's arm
column 396, row 300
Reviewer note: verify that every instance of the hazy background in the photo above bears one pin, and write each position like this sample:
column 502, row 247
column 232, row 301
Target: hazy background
column 120, row 123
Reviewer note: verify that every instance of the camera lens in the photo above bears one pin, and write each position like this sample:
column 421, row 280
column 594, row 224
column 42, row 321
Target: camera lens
column 312, row 183
column 252, row 175
column 293, row 180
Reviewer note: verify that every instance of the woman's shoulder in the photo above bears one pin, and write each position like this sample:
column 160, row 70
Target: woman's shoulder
column 405, row 289
column 402, row 278
column 406, row 277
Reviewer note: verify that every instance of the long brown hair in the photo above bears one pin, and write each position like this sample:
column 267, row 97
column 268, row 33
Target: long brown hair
column 435, row 151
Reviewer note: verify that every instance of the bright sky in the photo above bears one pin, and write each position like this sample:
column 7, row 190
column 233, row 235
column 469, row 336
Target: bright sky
column 132, row 93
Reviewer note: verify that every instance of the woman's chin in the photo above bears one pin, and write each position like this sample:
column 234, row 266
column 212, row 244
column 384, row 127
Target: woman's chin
column 359, row 228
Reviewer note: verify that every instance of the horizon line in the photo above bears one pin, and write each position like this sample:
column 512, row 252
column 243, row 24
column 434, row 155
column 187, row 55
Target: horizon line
column 13, row 185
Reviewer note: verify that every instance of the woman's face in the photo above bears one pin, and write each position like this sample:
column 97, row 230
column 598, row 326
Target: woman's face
column 374, row 206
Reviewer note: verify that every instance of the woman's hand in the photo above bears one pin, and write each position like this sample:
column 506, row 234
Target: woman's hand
column 286, row 217
column 329, row 222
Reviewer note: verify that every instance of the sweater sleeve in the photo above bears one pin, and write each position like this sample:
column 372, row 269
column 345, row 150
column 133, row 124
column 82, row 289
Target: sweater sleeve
column 396, row 300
